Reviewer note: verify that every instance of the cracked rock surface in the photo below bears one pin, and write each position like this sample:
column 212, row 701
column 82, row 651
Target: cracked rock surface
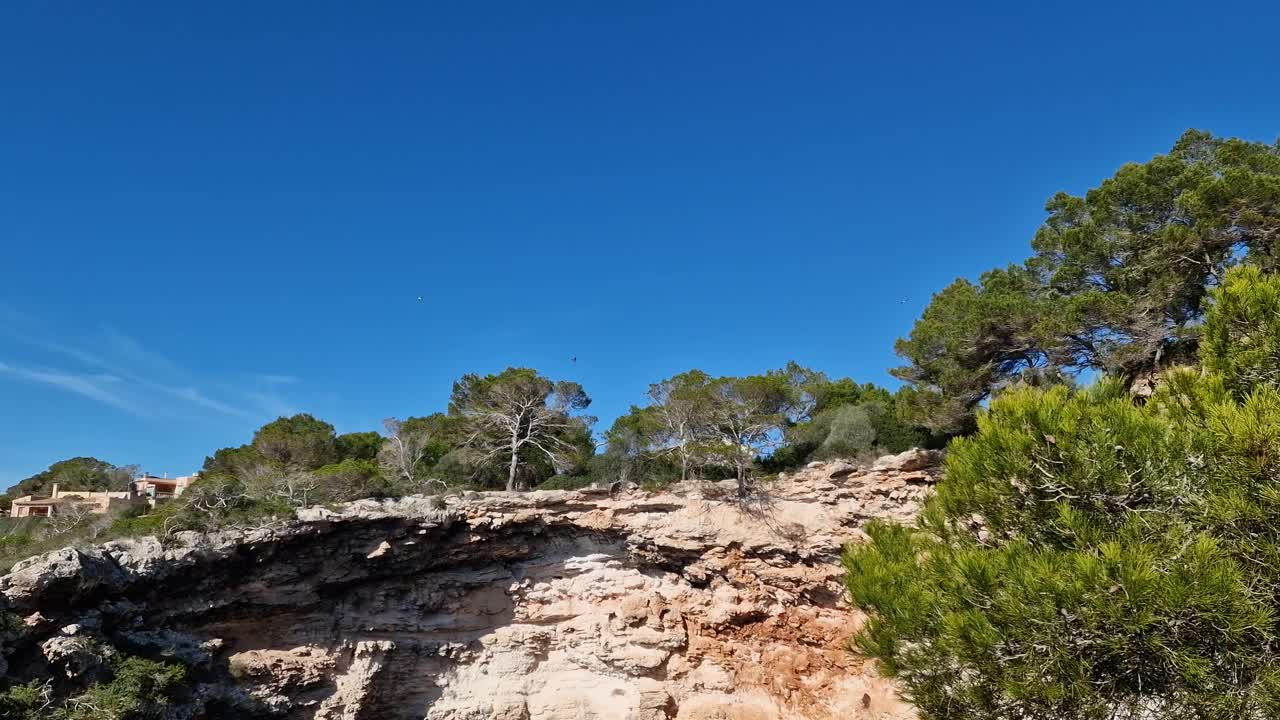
column 687, row 604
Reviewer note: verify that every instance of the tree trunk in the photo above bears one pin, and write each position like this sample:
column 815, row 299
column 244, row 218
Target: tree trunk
column 515, row 457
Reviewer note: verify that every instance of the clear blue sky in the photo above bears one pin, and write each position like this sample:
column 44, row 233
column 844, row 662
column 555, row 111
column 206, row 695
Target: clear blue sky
column 213, row 213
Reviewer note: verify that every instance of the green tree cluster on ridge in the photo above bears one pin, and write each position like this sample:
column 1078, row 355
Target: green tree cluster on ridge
column 696, row 423
column 515, row 429
column 1087, row 556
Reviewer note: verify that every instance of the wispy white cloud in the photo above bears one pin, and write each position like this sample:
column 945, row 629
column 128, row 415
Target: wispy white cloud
column 138, row 357
column 90, row 386
column 124, row 373
column 195, row 397
column 25, row 329
column 271, row 404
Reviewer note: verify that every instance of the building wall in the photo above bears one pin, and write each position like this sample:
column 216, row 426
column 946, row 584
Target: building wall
column 17, row 510
column 101, row 502
column 153, row 488
column 104, row 501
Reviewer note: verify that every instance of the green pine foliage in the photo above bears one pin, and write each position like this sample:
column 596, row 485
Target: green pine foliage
column 28, row 701
column 85, row 473
column 1241, row 339
column 845, row 431
column 1090, row 557
column 297, row 442
column 138, row 688
column 1117, row 281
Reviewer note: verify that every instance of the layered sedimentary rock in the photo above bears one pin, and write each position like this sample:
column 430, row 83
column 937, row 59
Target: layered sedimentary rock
column 690, row 603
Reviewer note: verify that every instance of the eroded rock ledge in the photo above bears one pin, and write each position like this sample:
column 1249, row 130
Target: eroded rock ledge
column 687, row 604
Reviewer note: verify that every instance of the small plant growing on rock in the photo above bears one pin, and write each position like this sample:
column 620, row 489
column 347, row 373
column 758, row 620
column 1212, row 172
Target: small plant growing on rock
column 11, row 625
column 138, row 688
column 30, row 701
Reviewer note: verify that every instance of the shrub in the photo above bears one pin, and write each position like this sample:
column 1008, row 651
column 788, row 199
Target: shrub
column 138, row 688
column 565, row 482
column 25, row 702
column 893, row 434
column 11, row 624
column 849, row 433
column 351, row 479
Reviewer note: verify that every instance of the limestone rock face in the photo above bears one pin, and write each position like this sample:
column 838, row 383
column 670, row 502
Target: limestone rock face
column 689, row 604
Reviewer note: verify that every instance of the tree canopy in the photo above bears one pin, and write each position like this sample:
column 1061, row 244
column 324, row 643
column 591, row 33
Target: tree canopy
column 79, row 473
column 300, row 441
column 778, row 419
column 358, row 445
column 1116, row 283
column 524, row 423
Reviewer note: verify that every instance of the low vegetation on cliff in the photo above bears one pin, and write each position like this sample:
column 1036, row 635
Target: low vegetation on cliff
column 125, row 688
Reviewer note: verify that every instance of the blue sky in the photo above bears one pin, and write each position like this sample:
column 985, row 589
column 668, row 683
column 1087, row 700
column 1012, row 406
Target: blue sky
column 211, row 214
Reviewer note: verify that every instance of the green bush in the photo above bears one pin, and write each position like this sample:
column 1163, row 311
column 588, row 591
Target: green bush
column 137, row 689
column 565, row 482
column 893, row 433
column 150, row 523
column 14, row 548
column 352, row 479
column 11, row 624
column 849, row 431
column 26, row 702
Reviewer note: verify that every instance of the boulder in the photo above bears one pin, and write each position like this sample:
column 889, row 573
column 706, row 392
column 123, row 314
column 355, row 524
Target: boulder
column 62, row 578
column 76, row 658
column 908, row 461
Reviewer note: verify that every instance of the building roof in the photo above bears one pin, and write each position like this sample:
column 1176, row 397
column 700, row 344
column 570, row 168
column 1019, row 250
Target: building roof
column 48, row 501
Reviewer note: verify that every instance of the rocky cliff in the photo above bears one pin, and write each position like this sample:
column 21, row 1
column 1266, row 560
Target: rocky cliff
column 627, row 605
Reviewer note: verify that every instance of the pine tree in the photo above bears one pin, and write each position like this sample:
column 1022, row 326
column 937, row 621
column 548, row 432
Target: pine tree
column 1117, row 281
